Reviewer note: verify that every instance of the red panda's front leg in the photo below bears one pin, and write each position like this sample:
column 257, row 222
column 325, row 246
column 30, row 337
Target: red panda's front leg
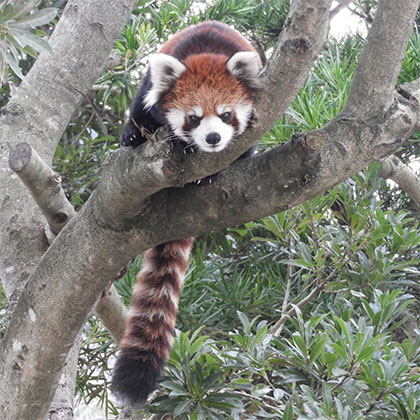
column 142, row 120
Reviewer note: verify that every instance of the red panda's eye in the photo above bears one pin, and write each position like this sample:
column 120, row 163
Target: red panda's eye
column 226, row 116
column 194, row 120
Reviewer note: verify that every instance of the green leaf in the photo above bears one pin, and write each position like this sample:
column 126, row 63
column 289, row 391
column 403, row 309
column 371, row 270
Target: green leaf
column 22, row 7
column 244, row 319
column 28, row 38
column 14, row 65
column 288, row 411
column 182, row 407
column 7, row 14
column 38, row 18
column 318, row 348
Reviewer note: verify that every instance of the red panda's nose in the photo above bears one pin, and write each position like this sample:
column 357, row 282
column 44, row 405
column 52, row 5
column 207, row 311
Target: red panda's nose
column 213, row 138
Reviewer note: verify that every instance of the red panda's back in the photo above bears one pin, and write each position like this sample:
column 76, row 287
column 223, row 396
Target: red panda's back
column 207, row 37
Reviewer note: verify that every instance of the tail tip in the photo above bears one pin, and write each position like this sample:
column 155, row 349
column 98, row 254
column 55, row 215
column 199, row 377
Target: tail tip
column 133, row 380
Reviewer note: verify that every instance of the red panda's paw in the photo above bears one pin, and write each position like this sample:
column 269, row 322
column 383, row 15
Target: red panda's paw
column 181, row 146
column 131, row 136
column 133, row 379
column 207, row 180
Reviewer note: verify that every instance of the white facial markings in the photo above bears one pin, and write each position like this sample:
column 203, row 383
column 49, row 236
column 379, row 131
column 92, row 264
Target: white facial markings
column 209, row 125
column 197, row 111
column 223, row 108
column 243, row 113
column 176, row 119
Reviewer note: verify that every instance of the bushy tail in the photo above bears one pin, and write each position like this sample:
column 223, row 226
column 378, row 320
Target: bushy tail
column 148, row 337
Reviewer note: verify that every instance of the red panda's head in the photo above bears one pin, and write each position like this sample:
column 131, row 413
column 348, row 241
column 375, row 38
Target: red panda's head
column 207, row 99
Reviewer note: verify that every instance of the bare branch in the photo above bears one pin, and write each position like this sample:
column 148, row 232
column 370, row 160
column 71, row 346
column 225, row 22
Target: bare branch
column 337, row 9
column 112, row 312
column 393, row 168
column 62, row 405
column 43, row 183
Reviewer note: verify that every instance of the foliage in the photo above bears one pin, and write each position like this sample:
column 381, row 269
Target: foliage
column 18, row 34
column 349, row 352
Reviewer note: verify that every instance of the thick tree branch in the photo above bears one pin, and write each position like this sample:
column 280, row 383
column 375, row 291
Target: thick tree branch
column 380, row 62
column 282, row 177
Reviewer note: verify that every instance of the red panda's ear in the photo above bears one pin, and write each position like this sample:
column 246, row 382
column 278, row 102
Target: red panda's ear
column 245, row 65
column 164, row 70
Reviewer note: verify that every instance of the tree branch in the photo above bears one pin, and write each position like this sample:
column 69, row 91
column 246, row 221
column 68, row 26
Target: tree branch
column 337, row 9
column 393, row 168
column 43, row 183
column 112, row 312
column 380, row 62
column 39, row 112
column 45, row 186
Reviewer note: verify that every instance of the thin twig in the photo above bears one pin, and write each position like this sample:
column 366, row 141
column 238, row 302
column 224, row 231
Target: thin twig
column 276, row 329
column 337, row 9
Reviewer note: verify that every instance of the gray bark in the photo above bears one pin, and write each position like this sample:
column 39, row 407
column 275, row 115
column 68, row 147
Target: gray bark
column 39, row 113
column 393, row 168
column 135, row 195
column 45, row 187
column 43, row 183
column 63, row 401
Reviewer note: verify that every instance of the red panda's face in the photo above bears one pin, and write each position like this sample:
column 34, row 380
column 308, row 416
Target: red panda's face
column 209, row 98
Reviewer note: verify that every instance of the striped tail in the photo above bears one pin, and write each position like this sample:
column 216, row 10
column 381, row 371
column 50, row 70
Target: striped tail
column 148, row 337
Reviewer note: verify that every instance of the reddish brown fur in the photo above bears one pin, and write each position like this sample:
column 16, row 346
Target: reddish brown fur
column 206, row 83
column 230, row 36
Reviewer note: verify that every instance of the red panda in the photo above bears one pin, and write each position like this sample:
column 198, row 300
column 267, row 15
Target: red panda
column 200, row 87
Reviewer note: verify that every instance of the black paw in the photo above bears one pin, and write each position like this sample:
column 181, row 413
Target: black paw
column 180, row 146
column 131, row 136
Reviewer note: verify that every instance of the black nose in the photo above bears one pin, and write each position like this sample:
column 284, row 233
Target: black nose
column 213, row 138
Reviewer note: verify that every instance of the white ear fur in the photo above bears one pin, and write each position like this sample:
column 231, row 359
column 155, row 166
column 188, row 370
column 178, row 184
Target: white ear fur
column 244, row 65
column 164, row 70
